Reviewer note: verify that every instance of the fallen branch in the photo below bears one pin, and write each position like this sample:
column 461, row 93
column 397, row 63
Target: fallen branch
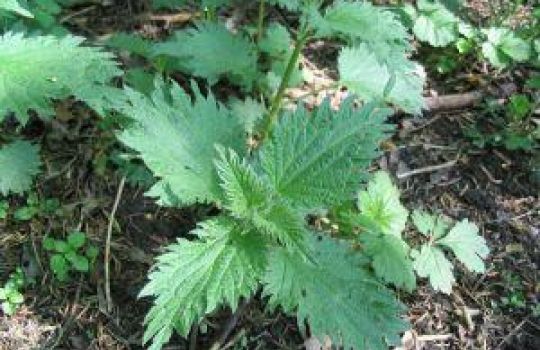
column 427, row 169
column 467, row 99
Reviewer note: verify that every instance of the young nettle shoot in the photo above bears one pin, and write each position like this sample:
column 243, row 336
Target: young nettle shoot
column 11, row 293
column 74, row 254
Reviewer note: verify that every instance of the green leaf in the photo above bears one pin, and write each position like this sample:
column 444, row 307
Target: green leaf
column 431, row 263
column 380, row 203
column 197, row 50
column 59, row 266
column 9, row 308
column 79, row 263
column 361, row 21
column 249, row 112
column 25, row 213
column 61, row 246
column 37, row 69
column 244, row 191
column 19, row 164
column 131, row 43
column 318, row 160
column 176, row 139
column 251, row 199
column 92, row 252
column 391, row 261
column 467, row 245
column 435, row 24
column 392, row 79
column 15, row 6
column 4, row 207
column 503, row 46
column 15, row 297
column 276, row 41
column 519, row 107
column 76, row 239
column 423, row 221
column 430, row 225
column 194, row 278
column 336, row 296
column 3, row 294
column 48, row 243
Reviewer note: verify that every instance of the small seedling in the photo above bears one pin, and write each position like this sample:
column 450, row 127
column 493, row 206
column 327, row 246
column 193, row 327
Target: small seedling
column 36, row 207
column 72, row 254
column 4, row 207
column 10, row 294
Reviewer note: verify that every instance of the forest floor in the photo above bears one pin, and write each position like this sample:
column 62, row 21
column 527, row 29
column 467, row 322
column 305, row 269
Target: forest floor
column 491, row 186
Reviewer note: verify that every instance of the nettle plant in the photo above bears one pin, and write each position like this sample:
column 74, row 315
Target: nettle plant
column 298, row 165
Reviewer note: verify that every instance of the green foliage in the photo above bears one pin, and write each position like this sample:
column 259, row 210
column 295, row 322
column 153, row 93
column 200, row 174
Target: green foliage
column 380, row 203
column 326, row 294
column 310, row 161
column 194, row 278
column 375, row 66
column 462, row 239
column 36, row 207
column 435, row 24
column 19, row 164
column 196, row 50
column 38, row 69
column 188, row 134
column 4, row 207
column 316, row 161
column 74, row 253
column 504, row 47
column 10, row 294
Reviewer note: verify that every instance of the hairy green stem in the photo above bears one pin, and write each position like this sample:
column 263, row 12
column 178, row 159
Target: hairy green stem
column 275, row 107
column 260, row 22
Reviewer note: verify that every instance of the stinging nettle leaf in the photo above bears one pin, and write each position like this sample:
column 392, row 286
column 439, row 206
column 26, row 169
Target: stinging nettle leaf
column 335, row 295
column 37, row 69
column 391, row 260
column 176, row 138
column 210, row 51
column 194, row 278
column 435, row 24
column 318, row 160
column 19, row 164
column 380, row 203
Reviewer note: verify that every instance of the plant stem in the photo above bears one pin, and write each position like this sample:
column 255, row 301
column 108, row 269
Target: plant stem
column 260, row 23
column 275, row 107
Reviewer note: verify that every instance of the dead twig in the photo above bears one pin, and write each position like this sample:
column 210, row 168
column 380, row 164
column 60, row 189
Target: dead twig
column 107, row 257
column 428, row 169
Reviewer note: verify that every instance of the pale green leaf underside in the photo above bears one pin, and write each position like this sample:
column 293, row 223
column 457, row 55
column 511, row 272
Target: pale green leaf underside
column 176, row 138
column 35, row 70
column 193, row 278
column 433, row 264
column 380, row 203
column 469, row 247
column 318, row 160
column 210, row 51
column 337, row 297
column 19, row 164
